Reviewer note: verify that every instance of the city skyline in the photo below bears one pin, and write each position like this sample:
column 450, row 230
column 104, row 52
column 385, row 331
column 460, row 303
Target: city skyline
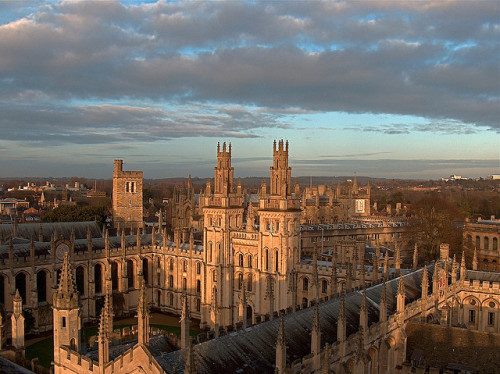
column 380, row 89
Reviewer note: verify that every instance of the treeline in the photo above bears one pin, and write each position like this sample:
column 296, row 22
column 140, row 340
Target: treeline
column 74, row 213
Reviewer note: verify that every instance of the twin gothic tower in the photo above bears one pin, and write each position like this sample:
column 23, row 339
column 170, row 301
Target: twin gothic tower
column 251, row 248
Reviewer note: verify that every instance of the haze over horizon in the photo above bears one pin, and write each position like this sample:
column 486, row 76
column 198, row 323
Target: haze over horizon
column 382, row 89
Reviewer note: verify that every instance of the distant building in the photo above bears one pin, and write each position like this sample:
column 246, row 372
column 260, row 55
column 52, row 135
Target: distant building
column 482, row 237
column 127, row 197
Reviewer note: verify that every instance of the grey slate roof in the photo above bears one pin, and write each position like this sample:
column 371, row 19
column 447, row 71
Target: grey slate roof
column 253, row 350
column 26, row 230
column 8, row 367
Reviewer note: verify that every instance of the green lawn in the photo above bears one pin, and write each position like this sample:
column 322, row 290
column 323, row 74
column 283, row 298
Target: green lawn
column 44, row 349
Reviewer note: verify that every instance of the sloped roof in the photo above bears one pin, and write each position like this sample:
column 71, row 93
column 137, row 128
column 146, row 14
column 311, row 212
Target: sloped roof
column 253, row 350
column 26, row 230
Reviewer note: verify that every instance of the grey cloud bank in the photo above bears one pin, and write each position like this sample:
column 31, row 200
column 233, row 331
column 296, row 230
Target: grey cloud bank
column 107, row 73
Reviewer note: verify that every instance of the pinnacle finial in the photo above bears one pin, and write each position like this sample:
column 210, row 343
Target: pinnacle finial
column 316, row 321
column 401, row 286
column 280, row 339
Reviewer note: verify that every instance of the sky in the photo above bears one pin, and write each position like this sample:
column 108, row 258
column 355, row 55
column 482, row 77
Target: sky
column 394, row 89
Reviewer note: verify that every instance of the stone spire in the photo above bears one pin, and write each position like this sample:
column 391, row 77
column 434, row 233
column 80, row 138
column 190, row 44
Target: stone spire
column 281, row 347
column 108, row 310
column 474, row 260
column 17, row 322
column 425, row 283
column 325, row 362
column 435, row 280
column 160, row 221
column 376, row 264
column 243, row 304
column 32, row 247
column 138, row 238
column 143, row 314
column 398, row 259
column 363, row 313
column 315, row 277
column 383, row 304
column 415, row 257
column 66, row 296
column 341, row 321
column 334, row 281
column 103, row 339
column 454, row 270
column 401, row 295
column 40, row 233
column 89, row 240
column 316, row 337
column 386, row 266
column 185, row 322
column 123, row 242
column 463, row 268
column 153, row 237
column 190, row 367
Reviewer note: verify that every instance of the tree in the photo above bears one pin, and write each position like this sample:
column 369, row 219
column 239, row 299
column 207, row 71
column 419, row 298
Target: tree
column 433, row 221
column 75, row 213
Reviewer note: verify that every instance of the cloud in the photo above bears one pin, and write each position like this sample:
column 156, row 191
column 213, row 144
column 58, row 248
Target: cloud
column 437, row 61
column 104, row 124
column 439, row 127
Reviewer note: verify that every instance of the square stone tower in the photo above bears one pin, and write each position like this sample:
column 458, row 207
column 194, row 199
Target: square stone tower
column 127, row 197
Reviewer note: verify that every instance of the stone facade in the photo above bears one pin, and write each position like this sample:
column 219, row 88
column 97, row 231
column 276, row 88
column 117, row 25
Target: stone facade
column 127, row 197
column 250, row 268
column 483, row 237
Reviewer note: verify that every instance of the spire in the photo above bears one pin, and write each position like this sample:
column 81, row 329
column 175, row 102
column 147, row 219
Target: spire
column 386, row 265
column 383, row 304
column 363, row 313
column 315, row 277
column 108, row 310
column 474, row 260
column 425, row 283
column 243, row 306
column 454, row 269
column 32, row 247
column 66, row 296
column 415, row 257
column 123, row 242
column 341, row 321
column 138, row 237
column 185, row 322
column 17, row 322
column 190, row 367
column 376, row 264
column 398, row 260
column 103, row 339
column 325, row 364
column 316, row 332
column 281, row 347
column 17, row 303
column 401, row 295
column 334, row 281
column 143, row 314
column 463, row 268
